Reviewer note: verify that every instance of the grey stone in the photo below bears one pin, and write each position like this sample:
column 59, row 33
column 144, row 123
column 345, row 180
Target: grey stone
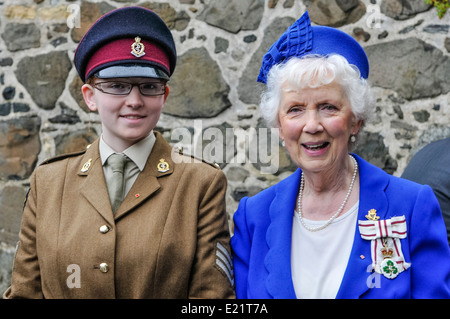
column 242, row 191
column 288, row 3
column 89, row 13
column 421, row 116
column 12, row 199
column 411, row 27
column 19, row 147
column 233, row 15
column 335, row 13
column 403, row 130
column 237, row 174
column 20, row 36
column 58, row 41
column 250, row 38
column 221, row 45
column 403, row 9
column 6, row 265
column 361, row 35
column 398, row 111
column 434, row 132
column 6, row 61
column 67, row 116
column 75, row 91
column 411, row 67
column 371, row 147
column 44, row 76
column 249, row 90
column 9, row 92
column 174, row 20
column 5, row 109
column 437, row 28
column 20, row 107
column 197, row 88
column 74, row 141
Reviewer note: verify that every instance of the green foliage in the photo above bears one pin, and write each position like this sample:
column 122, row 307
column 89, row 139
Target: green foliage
column 441, row 6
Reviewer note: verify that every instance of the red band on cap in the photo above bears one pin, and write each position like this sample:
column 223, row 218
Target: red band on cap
column 120, row 50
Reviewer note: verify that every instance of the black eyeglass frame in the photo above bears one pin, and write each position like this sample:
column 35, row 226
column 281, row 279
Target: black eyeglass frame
column 162, row 84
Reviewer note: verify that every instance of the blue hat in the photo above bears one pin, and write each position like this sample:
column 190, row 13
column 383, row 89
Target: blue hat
column 127, row 42
column 302, row 39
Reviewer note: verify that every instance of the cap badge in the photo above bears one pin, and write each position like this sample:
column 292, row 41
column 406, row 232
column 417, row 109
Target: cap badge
column 137, row 48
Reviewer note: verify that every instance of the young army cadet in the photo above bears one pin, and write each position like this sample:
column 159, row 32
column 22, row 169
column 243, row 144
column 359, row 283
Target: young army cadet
column 159, row 229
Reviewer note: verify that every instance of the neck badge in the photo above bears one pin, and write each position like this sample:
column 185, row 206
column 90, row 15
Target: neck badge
column 386, row 249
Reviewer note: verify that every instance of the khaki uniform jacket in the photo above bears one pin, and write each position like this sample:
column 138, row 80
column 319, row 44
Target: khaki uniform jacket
column 168, row 239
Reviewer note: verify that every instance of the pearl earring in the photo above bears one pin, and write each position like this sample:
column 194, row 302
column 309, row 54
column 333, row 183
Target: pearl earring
column 283, row 143
column 353, row 139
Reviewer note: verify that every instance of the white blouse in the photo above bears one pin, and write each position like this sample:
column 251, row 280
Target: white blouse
column 319, row 259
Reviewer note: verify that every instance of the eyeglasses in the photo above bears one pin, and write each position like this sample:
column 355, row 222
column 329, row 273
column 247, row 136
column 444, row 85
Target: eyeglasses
column 124, row 88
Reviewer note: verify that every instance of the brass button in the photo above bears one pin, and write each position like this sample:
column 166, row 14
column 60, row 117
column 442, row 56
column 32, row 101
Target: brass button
column 104, row 229
column 104, row 267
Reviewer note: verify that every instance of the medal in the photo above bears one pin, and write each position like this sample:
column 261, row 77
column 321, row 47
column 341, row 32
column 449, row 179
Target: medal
column 387, row 266
column 386, row 249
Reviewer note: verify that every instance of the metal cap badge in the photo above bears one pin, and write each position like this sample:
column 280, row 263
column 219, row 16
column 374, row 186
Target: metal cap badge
column 137, row 48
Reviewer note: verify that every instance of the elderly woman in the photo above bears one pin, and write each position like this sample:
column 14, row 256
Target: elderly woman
column 338, row 227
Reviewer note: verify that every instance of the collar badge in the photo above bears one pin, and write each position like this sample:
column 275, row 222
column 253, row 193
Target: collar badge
column 163, row 166
column 86, row 166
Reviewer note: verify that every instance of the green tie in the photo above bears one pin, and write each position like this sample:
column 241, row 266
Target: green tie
column 115, row 182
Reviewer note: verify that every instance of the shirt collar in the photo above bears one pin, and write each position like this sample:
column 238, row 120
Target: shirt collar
column 138, row 152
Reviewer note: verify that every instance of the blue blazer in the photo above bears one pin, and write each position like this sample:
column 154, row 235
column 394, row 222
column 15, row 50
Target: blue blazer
column 262, row 241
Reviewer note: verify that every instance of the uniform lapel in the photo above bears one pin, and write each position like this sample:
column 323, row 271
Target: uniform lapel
column 94, row 186
column 279, row 234
column 147, row 182
column 357, row 277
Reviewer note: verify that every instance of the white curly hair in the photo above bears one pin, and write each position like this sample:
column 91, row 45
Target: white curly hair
column 314, row 71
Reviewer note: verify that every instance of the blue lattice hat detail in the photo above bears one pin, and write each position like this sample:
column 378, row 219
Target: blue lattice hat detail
column 302, row 39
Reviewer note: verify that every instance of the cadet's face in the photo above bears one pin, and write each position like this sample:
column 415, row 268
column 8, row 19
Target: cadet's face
column 126, row 119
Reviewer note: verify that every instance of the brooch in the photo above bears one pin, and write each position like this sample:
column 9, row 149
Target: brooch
column 386, row 249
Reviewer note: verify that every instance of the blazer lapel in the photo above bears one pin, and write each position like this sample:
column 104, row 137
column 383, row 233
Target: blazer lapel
column 279, row 234
column 94, row 187
column 147, row 182
column 357, row 277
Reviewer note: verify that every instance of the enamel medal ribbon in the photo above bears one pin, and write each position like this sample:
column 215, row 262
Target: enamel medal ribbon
column 386, row 249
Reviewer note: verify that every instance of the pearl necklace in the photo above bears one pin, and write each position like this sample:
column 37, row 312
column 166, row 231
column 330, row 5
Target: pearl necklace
column 299, row 204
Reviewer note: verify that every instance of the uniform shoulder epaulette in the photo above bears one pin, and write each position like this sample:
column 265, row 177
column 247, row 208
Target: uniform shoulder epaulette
column 61, row 157
column 179, row 150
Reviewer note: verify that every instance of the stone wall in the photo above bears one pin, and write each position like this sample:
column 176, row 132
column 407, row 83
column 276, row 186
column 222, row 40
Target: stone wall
column 220, row 47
